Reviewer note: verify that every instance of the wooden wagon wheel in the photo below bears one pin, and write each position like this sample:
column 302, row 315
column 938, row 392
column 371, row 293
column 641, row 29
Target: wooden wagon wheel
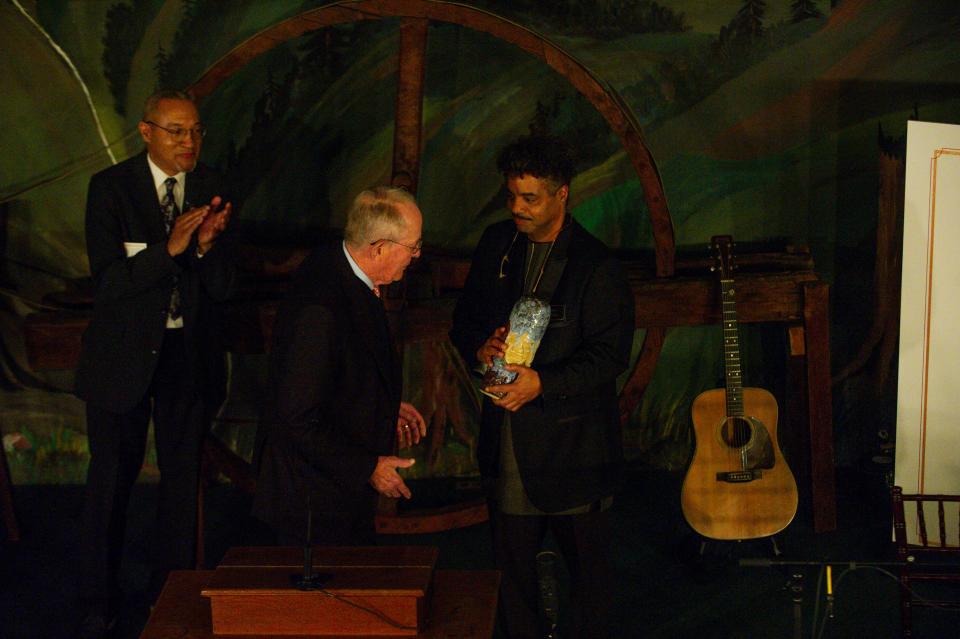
column 415, row 16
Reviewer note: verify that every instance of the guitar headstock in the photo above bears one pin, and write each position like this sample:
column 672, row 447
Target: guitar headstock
column 722, row 246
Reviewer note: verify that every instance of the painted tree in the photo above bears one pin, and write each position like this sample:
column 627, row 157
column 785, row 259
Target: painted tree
column 802, row 10
column 123, row 31
column 161, row 66
column 749, row 19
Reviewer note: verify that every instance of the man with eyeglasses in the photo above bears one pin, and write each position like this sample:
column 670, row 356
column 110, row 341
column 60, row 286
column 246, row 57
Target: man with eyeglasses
column 333, row 415
column 153, row 228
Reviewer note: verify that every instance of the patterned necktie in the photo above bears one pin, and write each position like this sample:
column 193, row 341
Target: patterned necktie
column 168, row 206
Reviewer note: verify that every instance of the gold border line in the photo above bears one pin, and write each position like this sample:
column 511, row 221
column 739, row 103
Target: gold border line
column 931, row 224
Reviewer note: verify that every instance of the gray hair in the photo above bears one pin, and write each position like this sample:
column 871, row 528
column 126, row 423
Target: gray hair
column 151, row 104
column 374, row 215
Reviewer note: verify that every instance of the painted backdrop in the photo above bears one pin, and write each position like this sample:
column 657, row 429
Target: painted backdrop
column 764, row 118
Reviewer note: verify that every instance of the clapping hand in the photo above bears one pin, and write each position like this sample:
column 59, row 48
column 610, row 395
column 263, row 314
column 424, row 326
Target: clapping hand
column 213, row 224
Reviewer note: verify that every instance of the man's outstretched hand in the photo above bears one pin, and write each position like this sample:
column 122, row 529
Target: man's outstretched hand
column 385, row 479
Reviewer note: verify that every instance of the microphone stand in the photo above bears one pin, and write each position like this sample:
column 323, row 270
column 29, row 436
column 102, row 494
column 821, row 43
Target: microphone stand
column 549, row 599
column 796, row 589
column 307, row 580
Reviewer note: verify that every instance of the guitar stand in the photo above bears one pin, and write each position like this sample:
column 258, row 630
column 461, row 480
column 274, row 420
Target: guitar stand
column 775, row 547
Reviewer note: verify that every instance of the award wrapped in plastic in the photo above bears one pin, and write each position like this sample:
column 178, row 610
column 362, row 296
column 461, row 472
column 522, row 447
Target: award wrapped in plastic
column 528, row 322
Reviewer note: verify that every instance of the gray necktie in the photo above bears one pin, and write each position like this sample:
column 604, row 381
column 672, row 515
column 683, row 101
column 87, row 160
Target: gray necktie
column 168, row 206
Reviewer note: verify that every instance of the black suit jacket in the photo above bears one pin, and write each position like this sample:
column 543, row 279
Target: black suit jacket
column 568, row 440
column 121, row 344
column 335, row 383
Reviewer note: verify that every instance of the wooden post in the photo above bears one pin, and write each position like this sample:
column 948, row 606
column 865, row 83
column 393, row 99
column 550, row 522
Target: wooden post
column 408, row 124
column 816, row 300
column 795, row 429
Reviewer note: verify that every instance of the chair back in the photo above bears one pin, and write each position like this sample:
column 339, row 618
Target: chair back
column 920, row 511
column 926, row 527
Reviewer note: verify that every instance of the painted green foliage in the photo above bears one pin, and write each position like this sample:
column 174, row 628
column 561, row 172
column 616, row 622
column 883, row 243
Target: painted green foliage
column 762, row 118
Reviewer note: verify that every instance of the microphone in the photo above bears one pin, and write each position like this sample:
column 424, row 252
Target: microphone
column 308, row 580
column 547, row 581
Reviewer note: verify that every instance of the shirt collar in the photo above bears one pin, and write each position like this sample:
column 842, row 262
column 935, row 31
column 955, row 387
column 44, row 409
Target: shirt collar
column 159, row 177
column 356, row 268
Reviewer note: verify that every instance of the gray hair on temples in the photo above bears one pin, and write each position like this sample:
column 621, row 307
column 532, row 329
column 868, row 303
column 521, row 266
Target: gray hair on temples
column 374, row 215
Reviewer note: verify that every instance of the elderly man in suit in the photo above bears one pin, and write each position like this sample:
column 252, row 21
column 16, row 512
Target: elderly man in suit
column 327, row 433
column 550, row 446
column 153, row 225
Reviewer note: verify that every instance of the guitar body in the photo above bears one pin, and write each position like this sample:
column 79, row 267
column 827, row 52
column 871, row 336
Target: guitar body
column 738, row 485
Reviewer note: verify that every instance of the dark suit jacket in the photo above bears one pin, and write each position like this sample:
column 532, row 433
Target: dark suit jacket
column 335, row 385
column 122, row 342
column 567, row 441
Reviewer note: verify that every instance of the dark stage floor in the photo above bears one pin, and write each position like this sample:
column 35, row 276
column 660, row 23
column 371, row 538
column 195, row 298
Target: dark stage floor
column 666, row 587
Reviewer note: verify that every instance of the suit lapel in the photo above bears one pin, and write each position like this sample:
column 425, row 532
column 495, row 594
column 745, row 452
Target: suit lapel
column 367, row 314
column 146, row 202
column 512, row 269
column 556, row 263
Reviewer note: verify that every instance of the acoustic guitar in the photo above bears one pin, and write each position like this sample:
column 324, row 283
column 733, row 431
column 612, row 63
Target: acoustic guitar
column 738, row 485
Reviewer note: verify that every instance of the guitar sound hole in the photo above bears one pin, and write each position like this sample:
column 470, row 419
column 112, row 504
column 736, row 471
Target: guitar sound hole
column 736, row 432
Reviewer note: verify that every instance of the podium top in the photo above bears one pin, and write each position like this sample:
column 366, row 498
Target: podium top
column 326, row 557
column 372, row 571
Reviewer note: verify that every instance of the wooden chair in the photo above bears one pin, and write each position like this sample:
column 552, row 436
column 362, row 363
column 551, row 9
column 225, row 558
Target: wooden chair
column 931, row 556
column 6, row 499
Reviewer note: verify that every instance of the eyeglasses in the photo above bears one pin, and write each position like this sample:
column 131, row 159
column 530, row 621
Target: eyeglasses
column 413, row 249
column 180, row 133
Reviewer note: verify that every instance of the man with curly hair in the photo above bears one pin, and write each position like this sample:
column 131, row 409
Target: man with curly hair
column 550, row 448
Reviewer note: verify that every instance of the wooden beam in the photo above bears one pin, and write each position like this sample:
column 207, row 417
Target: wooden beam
column 816, row 301
column 408, row 122
column 632, row 393
column 53, row 338
column 669, row 302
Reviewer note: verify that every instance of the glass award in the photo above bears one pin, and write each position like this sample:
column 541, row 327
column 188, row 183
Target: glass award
column 528, row 323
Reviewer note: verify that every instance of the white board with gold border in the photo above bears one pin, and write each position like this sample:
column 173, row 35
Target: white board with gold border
column 928, row 394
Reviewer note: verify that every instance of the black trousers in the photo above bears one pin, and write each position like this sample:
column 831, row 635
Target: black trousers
column 117, row 442
column 584, row 542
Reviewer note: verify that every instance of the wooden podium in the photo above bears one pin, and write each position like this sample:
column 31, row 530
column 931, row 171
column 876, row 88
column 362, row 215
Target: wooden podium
column 361, row 591
column 370, row 592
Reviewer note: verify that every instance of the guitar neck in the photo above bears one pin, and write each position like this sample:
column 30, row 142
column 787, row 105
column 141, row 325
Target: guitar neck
column 731, row 349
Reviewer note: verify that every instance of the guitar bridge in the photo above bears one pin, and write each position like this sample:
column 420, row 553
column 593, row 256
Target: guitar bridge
column 739, row 476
